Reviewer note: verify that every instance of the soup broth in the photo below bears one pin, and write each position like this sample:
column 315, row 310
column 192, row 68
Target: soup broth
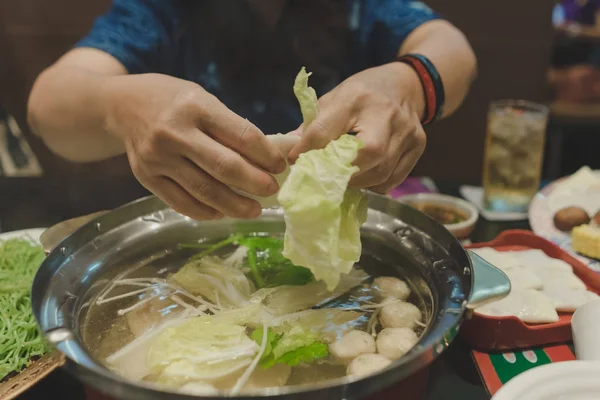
column 443, row 214
column 236, row 316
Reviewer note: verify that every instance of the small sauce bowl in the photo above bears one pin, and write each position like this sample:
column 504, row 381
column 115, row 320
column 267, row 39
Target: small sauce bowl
column 457, row 215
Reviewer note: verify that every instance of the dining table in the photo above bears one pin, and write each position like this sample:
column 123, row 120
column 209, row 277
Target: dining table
column 453, row 375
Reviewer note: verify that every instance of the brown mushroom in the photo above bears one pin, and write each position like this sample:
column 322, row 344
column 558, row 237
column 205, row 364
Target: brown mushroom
column 596, row 218
column 570, row 217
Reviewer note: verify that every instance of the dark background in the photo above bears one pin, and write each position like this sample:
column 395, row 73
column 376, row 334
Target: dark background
column 513, row 41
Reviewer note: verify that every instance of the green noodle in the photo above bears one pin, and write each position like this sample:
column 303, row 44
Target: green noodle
column 20, row 339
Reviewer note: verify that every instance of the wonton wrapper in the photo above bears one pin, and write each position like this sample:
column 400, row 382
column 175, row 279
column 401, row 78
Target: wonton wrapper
column 528, row 305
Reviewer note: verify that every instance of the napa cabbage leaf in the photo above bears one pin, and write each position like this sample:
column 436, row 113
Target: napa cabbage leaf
column 323, row 217
column 215, row 281
column 203, row 348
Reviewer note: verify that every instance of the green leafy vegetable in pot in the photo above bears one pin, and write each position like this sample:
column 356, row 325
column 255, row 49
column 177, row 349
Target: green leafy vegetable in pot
column 262, row 258
column 291, row 348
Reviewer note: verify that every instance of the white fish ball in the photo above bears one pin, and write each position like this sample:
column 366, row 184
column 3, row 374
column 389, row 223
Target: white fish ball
column 351, row 345
column 389, row 286
column 396, row 342
column 367, row 364
column 399, row 314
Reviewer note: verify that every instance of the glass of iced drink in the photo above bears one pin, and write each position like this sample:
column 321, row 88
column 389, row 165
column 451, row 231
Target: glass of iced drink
column 514, row 152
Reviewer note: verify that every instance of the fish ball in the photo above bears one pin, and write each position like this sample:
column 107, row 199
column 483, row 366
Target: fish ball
column 400, row 315
column 351, row 345
column 367, row 364
column 389, row 286
column 396, row 342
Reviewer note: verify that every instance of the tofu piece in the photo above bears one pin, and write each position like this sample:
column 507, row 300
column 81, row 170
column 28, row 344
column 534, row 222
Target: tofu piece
column 503, row 260
column 531, row 306
column 569, row 300
column 523, row 278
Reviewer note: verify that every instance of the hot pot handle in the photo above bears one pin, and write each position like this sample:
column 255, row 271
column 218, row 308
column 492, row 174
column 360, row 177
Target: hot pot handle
column 489, row 282
column 52, row 236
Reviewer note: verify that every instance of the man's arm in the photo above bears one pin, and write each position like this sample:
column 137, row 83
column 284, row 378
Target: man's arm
column 70, row 101
column 68, row 105
column 453, row 57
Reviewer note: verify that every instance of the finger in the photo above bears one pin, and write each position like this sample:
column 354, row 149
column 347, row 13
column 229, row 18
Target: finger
column 179, row 200
column 296, row 132
column 206, row 189
column 240, row 135
column 227, row 166
column 405, row 166
column 379, row 145
column 330, row 124
column 381, row 172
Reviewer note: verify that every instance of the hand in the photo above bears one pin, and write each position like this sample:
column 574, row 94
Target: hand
column 185, row 146
column 383, row 106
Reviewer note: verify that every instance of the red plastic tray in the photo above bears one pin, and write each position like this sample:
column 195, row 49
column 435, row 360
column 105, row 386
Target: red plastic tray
column 510, row 333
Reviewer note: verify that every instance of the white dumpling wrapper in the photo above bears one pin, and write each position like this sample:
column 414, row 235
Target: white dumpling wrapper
column 503, row 260
column 522, row 278
column 528, row 305
column 555, row 278
column 569, row 300
column 538, row 261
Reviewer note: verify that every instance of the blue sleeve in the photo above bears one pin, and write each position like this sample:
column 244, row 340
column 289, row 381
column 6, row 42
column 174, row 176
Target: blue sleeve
column 141, row 34
column 387, row 23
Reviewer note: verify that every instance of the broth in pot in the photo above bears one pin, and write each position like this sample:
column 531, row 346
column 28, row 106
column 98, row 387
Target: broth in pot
column 236, row 316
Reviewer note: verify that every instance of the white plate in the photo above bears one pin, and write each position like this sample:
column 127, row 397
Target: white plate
column 32, row 235
column 567, row 380
column 541, row 221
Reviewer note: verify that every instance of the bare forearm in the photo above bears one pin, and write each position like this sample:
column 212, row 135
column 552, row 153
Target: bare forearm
column 67, row 108
column 453, row 57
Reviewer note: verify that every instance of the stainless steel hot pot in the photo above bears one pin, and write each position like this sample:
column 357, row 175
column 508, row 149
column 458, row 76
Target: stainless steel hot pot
column 397, row 240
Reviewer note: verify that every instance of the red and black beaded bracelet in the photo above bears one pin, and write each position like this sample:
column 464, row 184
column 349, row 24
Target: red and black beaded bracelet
column 432, row 85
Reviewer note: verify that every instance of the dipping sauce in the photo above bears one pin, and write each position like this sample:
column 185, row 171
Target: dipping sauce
column 445, row 215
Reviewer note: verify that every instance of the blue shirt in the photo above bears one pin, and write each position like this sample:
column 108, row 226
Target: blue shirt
column 224, row 46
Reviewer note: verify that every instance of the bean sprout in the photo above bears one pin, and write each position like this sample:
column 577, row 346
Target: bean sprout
column 244, row 378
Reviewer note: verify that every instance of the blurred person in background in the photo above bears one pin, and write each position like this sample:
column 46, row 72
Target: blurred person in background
column 175, row 84
column 575, row 72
